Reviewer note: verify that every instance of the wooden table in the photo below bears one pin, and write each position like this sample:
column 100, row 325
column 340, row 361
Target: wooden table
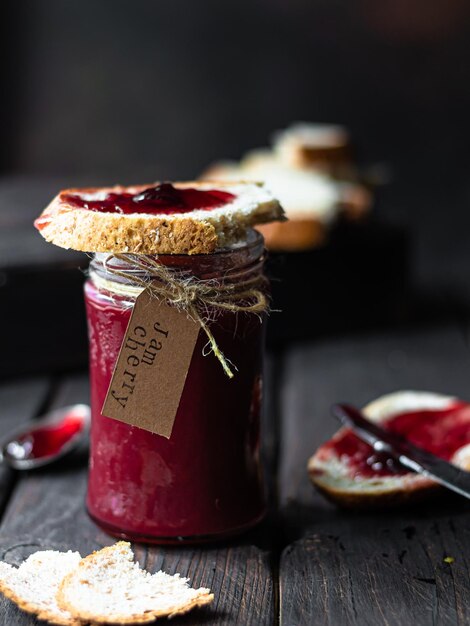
column 309, row 563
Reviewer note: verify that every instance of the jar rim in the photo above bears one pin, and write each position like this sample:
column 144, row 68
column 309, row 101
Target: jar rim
column 242, row 254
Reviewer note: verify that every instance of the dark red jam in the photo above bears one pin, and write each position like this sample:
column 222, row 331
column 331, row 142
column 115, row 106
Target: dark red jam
column 161, row 199
column 441, row 432
column 205, row 482
column 45, row 441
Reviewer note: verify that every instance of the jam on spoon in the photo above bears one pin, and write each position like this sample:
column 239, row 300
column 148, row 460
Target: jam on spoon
column 160, row 199
column 49, row 439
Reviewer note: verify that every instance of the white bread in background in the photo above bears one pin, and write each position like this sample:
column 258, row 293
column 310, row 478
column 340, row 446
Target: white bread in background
column 195, row 232
column 311, row 200
column 304, row 193
column 310, row 171
column 109, row 588
column 34, row 584
column 330, row 474
column 326, row 149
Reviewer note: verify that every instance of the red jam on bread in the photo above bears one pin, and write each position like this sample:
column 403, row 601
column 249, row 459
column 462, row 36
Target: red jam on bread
column 162, row 199
column 441, row 432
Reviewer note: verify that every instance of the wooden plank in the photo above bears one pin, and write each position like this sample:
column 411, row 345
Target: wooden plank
column 239, row 575
column 388, row 568
column 19, row 402
column 47, row 511
column 377, row 570
column 50, row 501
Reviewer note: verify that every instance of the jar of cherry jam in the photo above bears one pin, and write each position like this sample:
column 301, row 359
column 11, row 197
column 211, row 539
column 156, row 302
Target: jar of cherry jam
column 204, row 482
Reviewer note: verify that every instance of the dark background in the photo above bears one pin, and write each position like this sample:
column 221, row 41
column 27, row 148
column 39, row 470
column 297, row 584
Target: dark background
column 104, row 91
column 123, row 89
column 113, row 90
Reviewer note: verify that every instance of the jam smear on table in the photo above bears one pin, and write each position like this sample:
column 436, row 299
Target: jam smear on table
column 45, row 441
column 441, row 432
column 160, row 199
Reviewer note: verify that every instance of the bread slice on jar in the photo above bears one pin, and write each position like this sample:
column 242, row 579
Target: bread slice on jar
column 34, row 584
column 349, row 472
column 109, row 588
column 162, row 218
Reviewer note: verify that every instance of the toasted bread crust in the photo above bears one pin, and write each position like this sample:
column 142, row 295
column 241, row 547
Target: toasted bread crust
column 331, row 158
column 414, row 491
column 34, row 610
column 329, row 148
column 150, row 616
column 80, row 229
column 377, row 501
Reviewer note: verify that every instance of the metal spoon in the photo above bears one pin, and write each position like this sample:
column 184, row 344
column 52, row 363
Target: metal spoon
column 46, row 440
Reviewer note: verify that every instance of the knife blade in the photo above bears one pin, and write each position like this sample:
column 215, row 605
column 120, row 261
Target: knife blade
column 410, row 456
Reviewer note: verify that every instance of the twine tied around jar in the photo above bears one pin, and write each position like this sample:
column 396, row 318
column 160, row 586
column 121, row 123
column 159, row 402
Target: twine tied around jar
column 195, row 296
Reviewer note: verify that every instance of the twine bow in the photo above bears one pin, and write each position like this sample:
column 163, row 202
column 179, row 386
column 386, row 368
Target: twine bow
column 196, row 296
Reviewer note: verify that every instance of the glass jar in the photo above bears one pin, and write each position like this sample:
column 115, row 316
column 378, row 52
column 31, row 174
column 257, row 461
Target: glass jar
column 205, row 482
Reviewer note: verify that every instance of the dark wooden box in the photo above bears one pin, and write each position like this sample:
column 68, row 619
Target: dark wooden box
column 359, row 280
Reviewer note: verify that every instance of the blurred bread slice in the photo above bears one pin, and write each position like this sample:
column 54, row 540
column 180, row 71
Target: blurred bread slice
column 109, row 588
column 332, row 475
column 311, row 200
column 34, row 584
column 310, row 170
column 324, row 147
column 295, row 235
column 195, row 232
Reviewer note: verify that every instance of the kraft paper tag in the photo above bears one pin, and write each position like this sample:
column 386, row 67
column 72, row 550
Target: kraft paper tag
column 152, row 365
